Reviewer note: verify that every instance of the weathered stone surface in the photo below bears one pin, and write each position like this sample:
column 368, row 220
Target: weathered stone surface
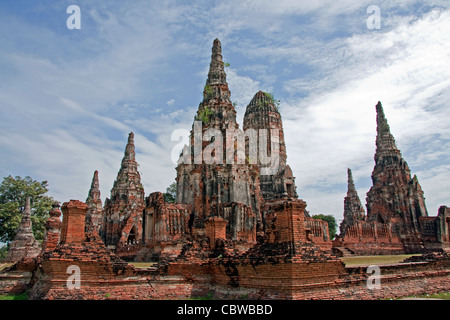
column 225, row 235
column 263, row 117
column 353, row 209
column 76, row 250
column 95, row 208
column 209, row 176
column 24, row 244
column 52, row 229
column 397, row 220
column 238, row 189
column 395, row 197
column 122, row 217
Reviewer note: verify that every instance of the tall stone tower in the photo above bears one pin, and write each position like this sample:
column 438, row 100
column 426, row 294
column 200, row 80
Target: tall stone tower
column 276, row 178
column 353, row 209
column 24, row 244
column 95, row 208
column 122, row 220
column 394, row 195
column 210, row 176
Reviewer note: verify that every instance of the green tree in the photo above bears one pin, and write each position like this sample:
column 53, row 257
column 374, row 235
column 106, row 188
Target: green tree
column 171, row 193
column 13, row 194
column 332, row 225
column 3, row 252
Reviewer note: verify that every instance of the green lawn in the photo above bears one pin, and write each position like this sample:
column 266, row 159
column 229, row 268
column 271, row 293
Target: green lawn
column 143, row 264
column 22, row 296
column 375, row 260
column 442, row 295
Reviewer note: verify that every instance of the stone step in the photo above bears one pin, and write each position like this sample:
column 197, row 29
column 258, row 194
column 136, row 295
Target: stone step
column 345, row 251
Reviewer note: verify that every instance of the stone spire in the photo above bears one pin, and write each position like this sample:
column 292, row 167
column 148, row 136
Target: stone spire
column 128, row 180
column 94, row 204
column 123, row 211
column 209, row 182
column 394, row 196
column 353, row 209
column 24, row 244
column 385, row 141
column 350, row 182
column 94, row 192
column 216, row 109
column 130, row 154
column 216, row 87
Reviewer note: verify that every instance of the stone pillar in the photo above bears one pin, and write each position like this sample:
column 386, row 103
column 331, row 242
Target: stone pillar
column 290, row 222
column 74, row 213
column 215, row 228
column 52, row 229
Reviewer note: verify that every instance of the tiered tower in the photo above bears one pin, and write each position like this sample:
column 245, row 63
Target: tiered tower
column 95, row 208
column 24, row 244
column 122, row 219
column 210, row 175
column 353, row 209
column 276, row 179
column 395, row 196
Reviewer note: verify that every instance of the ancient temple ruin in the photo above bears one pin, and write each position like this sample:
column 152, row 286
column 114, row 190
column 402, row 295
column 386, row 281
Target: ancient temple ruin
column 229, row 180
column 397, row 220
column 238, row 227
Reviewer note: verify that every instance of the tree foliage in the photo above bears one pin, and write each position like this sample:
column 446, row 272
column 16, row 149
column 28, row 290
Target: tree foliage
column 13, row 194
column 332, row 225
column 171, row 193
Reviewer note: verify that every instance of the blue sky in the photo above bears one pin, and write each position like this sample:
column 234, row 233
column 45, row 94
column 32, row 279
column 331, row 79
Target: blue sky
column 69, row 98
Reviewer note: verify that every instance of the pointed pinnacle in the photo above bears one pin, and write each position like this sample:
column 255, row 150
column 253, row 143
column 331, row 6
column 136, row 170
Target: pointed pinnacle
column 382, row 124
column 95, row 183
column 129, row 150
column 351, row 183
column 217, row 50
column 94, row 192
column 385, row 141
column 216, row 74
column 131, row 138
column 27, row 210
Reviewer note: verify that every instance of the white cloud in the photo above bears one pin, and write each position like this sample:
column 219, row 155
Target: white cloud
column 333, row 129
column 70, row 99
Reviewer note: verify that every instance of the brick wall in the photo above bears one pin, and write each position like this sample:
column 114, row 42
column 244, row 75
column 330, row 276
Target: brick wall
column 74, row 213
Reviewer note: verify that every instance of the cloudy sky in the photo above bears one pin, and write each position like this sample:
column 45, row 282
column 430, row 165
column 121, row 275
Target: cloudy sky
column 69, row 97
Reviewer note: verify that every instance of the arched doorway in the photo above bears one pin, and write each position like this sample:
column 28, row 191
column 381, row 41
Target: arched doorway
column 131, row 237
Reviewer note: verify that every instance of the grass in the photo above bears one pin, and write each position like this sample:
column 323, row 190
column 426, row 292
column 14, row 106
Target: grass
column 23, row 296
column 375, row 260
column 143, row 264
column 209, row 296
column 442, row 295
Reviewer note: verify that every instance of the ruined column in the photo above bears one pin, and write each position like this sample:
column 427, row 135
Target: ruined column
column 52, row 229
column 215, row 228
column 290, row 222
column 74, row 214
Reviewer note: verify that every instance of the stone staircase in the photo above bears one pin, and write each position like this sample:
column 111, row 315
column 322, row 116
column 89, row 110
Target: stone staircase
column 343, row 252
